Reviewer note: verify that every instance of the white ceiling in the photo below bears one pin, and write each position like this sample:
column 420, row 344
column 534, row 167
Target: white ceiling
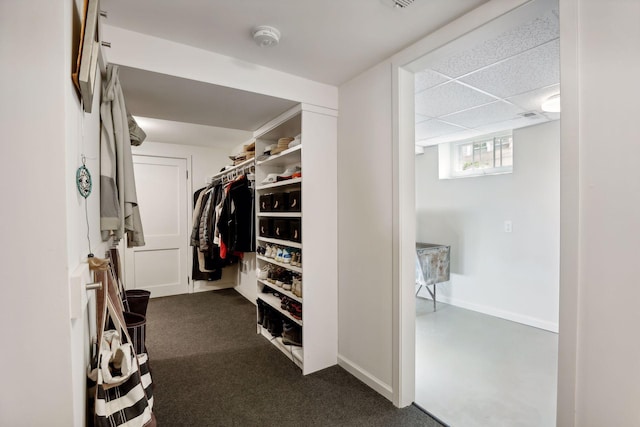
column 485, row 84
column 481, row 85
column 329, row 41
column 171, row 109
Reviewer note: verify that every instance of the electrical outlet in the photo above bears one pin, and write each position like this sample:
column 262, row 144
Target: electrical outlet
column 508, row 227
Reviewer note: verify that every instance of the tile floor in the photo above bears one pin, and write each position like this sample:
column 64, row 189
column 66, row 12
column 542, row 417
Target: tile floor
column 478, row 370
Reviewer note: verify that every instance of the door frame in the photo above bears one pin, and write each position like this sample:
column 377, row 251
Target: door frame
column 189, row 208
column 403, row 204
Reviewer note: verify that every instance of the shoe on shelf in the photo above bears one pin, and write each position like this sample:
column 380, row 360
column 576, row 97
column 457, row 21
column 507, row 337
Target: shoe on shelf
column 286, row 256
column 270, row 179
column 260, row 305
column 291, row 334
column 263, row 273
column 294, row 172
column 296, row 287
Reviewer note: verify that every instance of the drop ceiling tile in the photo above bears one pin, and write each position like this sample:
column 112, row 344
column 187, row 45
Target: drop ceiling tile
column 512, row 124
column 531, row 101
column 449, row 98
column 512, row 42
column 427, row 79
column 421, row 118
column 433, row 128
column 498, row 111
column 456, row 136
column 531, row 70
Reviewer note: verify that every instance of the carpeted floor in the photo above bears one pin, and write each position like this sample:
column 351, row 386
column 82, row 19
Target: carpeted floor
column 210, row 368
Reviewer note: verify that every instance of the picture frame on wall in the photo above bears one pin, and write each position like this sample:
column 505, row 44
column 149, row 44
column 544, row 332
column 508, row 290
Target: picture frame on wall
column 84, row 74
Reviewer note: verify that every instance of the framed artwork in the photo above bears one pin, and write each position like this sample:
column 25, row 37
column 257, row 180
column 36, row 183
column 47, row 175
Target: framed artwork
column 84, row 75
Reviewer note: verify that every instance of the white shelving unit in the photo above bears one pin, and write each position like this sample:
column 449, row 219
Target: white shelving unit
column 317, row 157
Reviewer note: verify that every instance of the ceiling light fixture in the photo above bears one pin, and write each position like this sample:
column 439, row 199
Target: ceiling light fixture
column 266, row 36
column 552, row 104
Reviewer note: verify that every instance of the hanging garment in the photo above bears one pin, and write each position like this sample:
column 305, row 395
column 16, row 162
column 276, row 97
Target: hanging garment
column 236, row 223
column 118, row 198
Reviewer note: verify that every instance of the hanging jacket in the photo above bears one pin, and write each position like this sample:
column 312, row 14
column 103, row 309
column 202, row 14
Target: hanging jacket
column 118, row 198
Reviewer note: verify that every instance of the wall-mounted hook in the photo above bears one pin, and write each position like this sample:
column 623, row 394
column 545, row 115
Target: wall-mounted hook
column 94, row 285
column 105, row 44
column 104, row 14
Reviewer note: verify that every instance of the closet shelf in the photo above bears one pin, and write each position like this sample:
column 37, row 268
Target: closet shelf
column 282, row 291
column 287, row 243
column 274, row 302
column 295, row 353
column 288, row 156
column 284, row 183
column 281, row 264
column 281, row 214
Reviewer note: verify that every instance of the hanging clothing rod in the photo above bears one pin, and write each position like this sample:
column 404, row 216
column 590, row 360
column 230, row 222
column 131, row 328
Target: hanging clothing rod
column 247, row 165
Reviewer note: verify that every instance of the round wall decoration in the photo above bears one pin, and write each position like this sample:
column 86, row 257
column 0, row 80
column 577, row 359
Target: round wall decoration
column 83, row 181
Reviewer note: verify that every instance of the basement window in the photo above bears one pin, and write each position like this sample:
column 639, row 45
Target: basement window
column 486, row 155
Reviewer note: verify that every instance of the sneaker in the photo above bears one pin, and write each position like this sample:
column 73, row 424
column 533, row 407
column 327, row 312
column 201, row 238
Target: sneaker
column 262, row 273
column 286, row 256
column 278, row 256
column 295, row 309
column 293, row 172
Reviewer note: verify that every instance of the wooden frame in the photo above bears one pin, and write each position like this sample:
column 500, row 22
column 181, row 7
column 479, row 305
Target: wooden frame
column 84, row 75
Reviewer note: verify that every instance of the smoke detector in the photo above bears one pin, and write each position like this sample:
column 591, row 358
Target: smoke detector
column 266, row 36
column 398, row 4
column 402, row 3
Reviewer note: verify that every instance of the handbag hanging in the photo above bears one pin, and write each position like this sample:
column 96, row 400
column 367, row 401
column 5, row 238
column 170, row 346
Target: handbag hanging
column 123, row 384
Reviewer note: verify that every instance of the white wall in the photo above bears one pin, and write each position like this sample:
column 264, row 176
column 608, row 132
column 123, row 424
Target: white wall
column 175, row 59
column 365, row 229
column 599, row 366
column 43, row 222
column 510, row 275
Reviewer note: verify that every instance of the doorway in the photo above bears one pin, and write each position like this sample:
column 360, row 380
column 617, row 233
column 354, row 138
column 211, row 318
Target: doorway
column 457, row 293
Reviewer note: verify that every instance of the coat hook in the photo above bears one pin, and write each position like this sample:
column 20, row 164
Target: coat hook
column 104, row 14
column 105, row 44
column 94, row 285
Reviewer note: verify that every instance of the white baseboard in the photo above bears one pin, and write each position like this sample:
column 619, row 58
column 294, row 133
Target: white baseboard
column 247, row 296
column 204, row 286
column 364, row 376
column 492, row 311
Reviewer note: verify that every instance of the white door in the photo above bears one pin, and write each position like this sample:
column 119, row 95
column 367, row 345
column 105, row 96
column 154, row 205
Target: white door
column 161, row 265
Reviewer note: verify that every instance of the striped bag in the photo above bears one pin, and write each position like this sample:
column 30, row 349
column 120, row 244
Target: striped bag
column 124, row 390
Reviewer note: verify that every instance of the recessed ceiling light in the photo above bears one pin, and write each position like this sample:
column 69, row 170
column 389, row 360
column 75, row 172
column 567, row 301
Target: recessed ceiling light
column 266, row 36
column 552, row 104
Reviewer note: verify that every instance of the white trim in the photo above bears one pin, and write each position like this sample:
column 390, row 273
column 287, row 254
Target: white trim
column 496, row 312
column 364, row 376
column 403, row 206
column 569, row 212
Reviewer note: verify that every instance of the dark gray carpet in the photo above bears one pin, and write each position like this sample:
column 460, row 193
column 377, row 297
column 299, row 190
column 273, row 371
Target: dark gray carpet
column 210, row 368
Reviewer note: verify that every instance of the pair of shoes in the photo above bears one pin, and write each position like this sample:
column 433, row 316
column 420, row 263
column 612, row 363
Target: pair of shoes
column 271, row 321
column 291, row 334
column 295, row 309
column 296, row 258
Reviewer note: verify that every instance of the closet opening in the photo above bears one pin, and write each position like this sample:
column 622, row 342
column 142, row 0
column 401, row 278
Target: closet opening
column 195, row 133
column 484, row 247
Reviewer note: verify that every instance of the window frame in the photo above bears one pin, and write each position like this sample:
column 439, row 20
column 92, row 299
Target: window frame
column 455, row 170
